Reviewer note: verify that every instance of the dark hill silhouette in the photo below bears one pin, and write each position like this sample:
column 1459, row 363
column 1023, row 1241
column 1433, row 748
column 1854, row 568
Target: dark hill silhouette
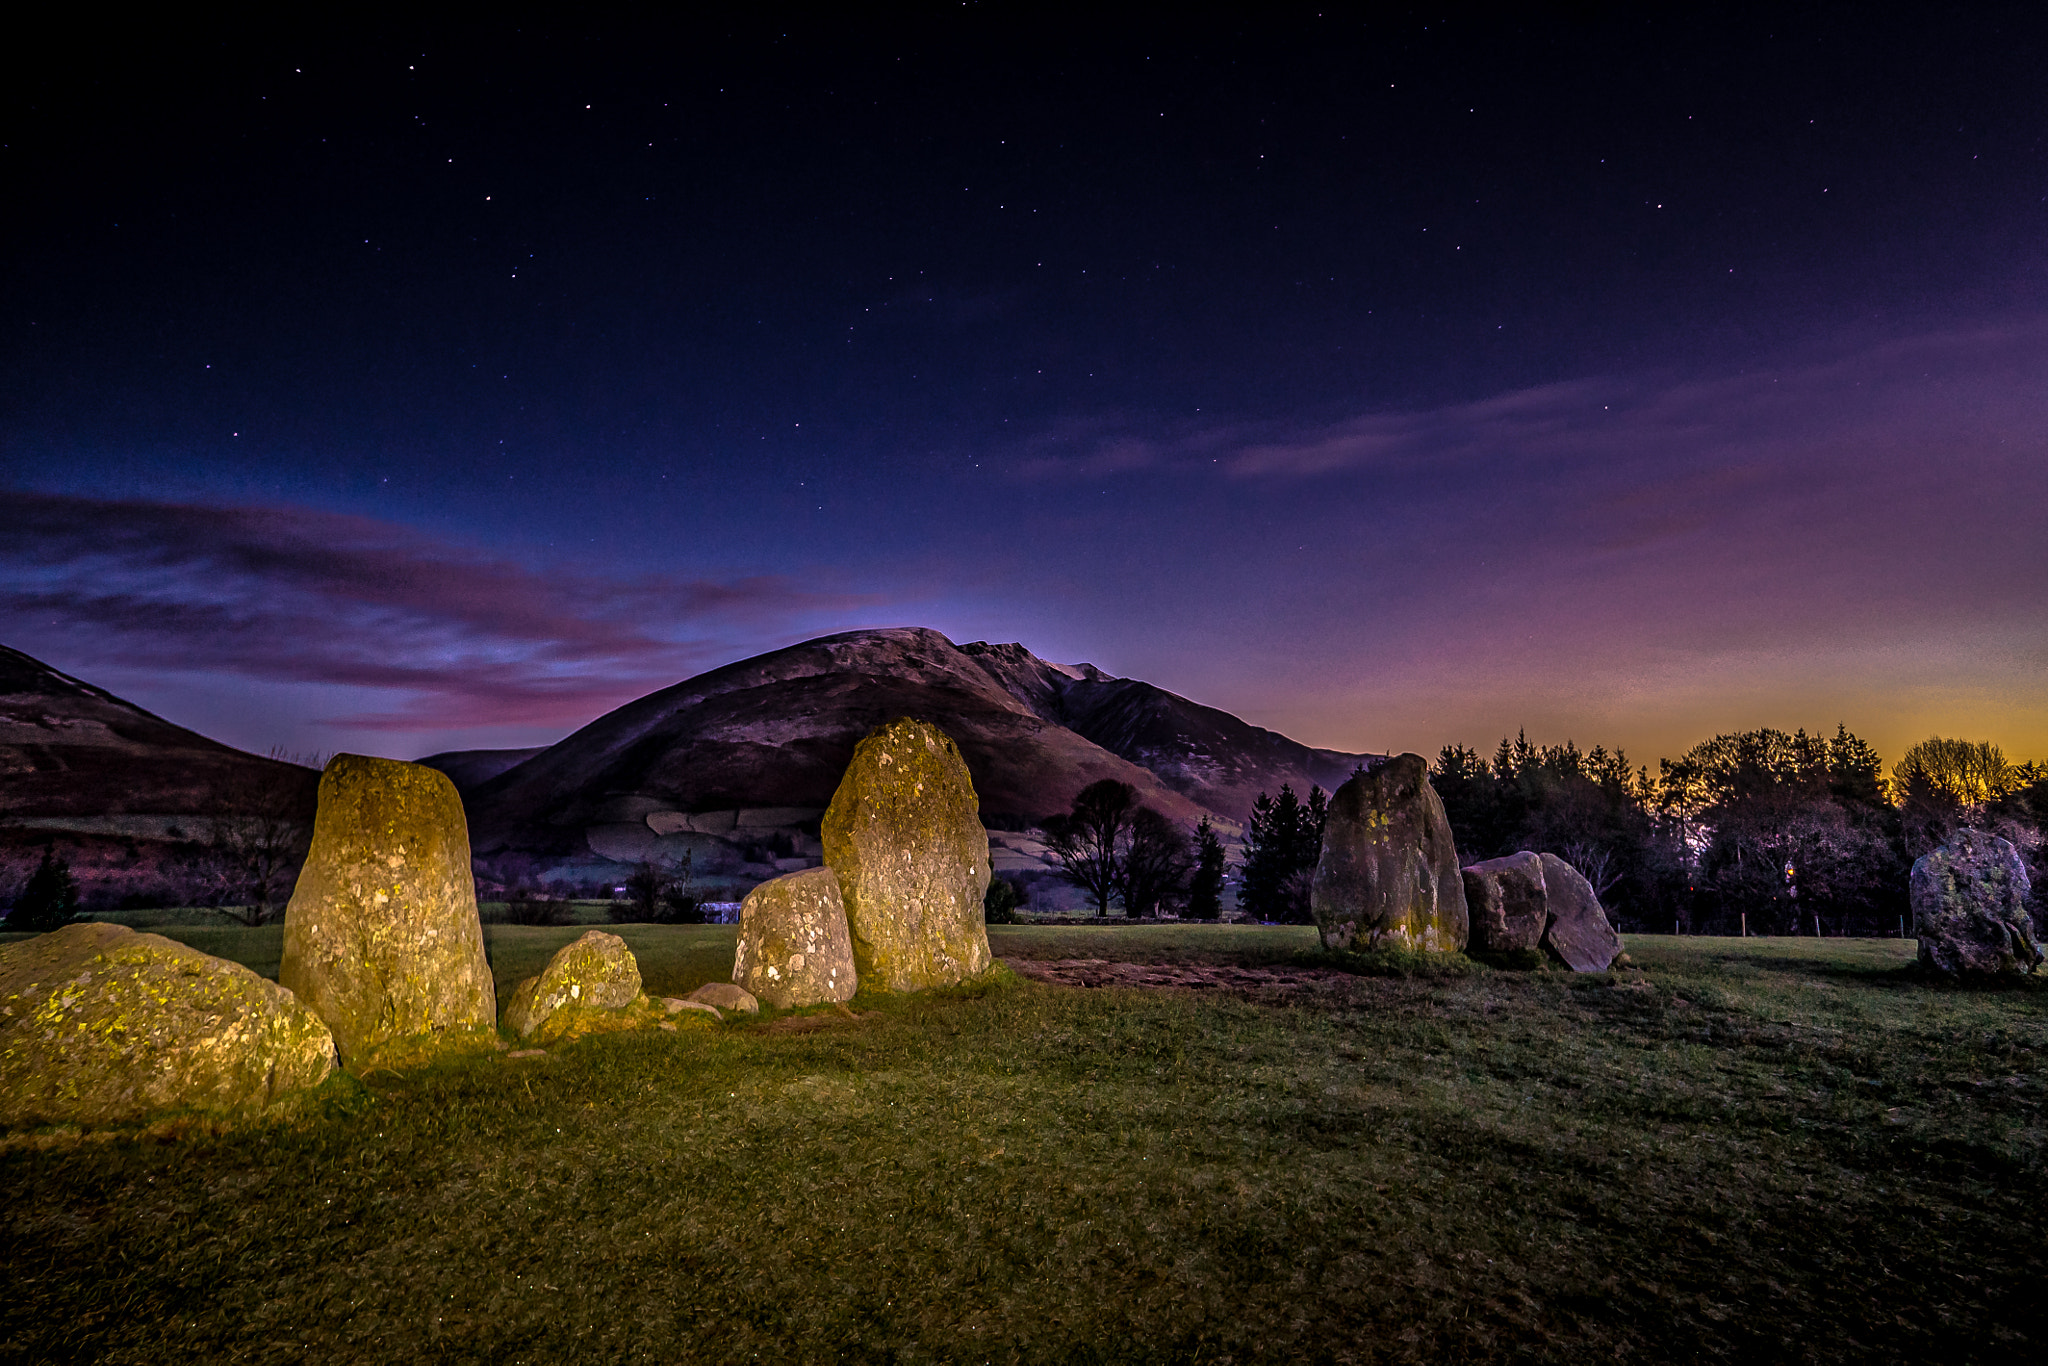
column 468, row 768
column 124, row 796
column 69, row 749
column 776, row 731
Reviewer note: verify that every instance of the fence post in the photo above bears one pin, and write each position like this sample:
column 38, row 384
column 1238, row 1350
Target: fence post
column 1745, row 924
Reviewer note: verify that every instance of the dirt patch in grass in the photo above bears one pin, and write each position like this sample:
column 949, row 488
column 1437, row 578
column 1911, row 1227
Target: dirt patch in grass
column 1254, row 982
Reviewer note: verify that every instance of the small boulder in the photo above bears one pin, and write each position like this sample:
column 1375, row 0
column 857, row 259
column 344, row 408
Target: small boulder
column 1579, row 935
column 1970, row 908
column 1505, row 902
column 795, row 949
column 1389, row 870
column 904, row 836
column 595, row 975
column 381, row 937
column 99, row 1025
column 726, row 996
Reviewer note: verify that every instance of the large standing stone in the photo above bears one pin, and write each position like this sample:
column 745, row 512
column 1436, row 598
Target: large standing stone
column 381, row 937
column 596, row 973
column 1504, row 898
column 1579, row 935
column 795, row 949
column 1970, row 908
column 99, row 1024
column 1389, row 871
column 904, row 836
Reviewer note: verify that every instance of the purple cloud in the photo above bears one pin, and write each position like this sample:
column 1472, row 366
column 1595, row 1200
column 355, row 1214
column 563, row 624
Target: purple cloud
column 457, row 637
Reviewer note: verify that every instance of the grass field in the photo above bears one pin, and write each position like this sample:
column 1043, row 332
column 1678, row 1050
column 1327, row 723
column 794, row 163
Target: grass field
column 1751, row 1150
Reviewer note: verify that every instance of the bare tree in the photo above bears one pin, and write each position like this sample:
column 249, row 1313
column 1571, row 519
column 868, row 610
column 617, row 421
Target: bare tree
column 252, row 852
column 1087, row 840
column 1156, row 864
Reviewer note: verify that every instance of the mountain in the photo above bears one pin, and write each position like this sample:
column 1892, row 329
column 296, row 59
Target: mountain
column 468, row 768
column 1214, row 758
column 124, row 795
column 761, row 745
column 71, row 750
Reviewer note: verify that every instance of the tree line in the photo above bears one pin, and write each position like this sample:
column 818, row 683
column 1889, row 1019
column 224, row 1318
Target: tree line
column 1793, row 832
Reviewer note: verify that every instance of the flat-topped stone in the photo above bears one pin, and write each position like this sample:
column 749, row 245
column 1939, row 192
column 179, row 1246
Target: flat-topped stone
column 1505, row 904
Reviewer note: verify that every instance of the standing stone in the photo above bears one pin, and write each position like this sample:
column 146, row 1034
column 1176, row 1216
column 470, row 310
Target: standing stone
column 1579, row 935
column 1970, row 908
column 596, row 973
column 795, row 949
column 904, row 836
column 381, row 937
column 1505, row 899
column 1389, row 871
column 99, row 1024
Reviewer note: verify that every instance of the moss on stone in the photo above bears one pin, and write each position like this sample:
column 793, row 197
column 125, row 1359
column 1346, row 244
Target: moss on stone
column 904, row 837
column 795, row 948
column 586, row 983
column 1389, row 872
column 99, row 1024
column 382, row 938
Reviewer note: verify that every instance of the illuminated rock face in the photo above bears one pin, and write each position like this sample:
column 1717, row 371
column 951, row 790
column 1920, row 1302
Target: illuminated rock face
column 99, row 1024
column 904, row 836
column 595, row 974
column 1504, row 899
column 1970, row 908
column 381, row 937
column 1579, row 935
column 795, row 949
column 1389, row 873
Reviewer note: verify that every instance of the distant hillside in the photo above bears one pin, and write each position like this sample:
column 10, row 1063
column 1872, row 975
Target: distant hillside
column 760, row 746
column 69, row 749
column 467, row 768
column 123, row 794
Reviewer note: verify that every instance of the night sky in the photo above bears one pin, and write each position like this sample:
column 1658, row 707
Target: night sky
column 1388, row 381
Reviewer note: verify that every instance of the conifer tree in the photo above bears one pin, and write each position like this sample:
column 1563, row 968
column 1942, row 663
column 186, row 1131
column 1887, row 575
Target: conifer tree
column 50, row 897
column 1205, row 891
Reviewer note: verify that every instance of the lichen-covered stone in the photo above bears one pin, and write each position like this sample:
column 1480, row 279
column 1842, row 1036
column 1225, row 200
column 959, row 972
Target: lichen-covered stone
column 381, row 937
column 1504, row 902
column 596, row 975
column 1970, row 908
column 904, row 836
column 1389, row 873
column 1579, row 935
column 99, row 1024
column 726, row 996
column 795, row 949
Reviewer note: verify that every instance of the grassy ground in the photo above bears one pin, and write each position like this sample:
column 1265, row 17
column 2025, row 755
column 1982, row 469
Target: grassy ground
column 1753, row 1150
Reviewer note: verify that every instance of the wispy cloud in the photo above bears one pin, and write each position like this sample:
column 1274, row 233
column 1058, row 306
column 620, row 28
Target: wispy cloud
column 453, row 636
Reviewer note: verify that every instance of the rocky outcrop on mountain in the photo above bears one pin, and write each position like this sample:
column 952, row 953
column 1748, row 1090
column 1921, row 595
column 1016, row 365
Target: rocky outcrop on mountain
column 795, row 948
column 381, row 937
column 1970, row 908
column 100, row 1025
column 905, row 840
column 1389, row 872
